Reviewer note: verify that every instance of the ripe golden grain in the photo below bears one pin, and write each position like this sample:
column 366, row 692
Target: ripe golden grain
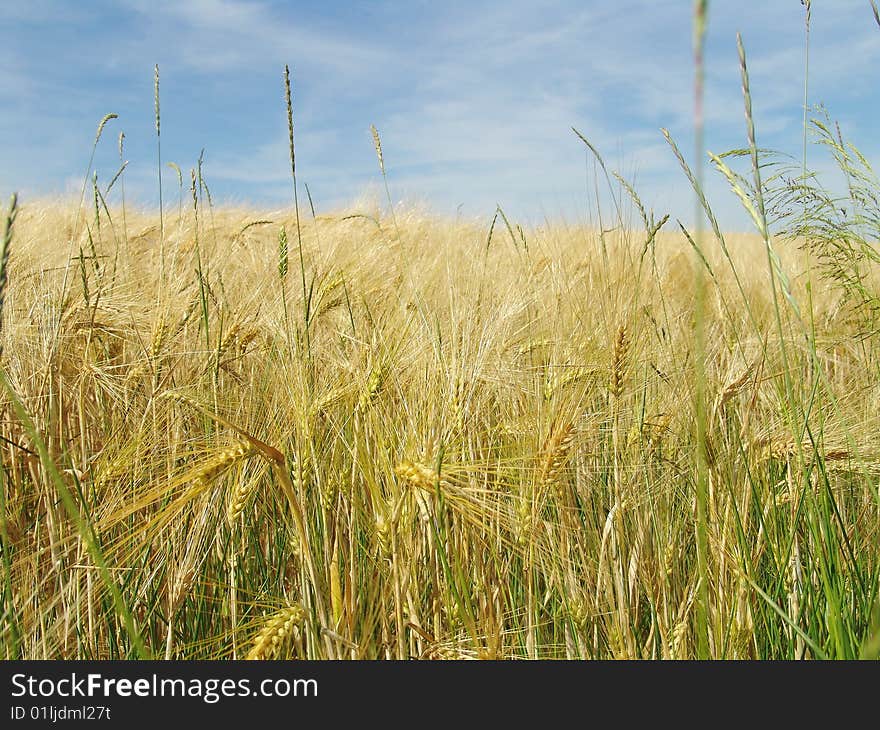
column 555, row 455
column 419, row 475
column 619, row 362
column 208, row 470
column 278, row 631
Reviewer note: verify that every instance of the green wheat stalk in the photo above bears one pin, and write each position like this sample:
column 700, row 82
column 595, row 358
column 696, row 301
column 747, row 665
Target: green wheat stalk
column 302, row 265
column 159, row 168
column 4, row 257
column 701, row 10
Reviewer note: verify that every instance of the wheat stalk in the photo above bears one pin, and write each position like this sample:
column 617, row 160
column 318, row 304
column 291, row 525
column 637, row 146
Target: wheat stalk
column 159, row 167
column 5, row 247
column 302, row 266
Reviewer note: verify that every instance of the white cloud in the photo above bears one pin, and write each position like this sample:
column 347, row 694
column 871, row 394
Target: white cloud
column 232, row 35
column 474, row 100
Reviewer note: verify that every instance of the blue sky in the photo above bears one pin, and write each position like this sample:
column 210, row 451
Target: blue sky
column 474, row 100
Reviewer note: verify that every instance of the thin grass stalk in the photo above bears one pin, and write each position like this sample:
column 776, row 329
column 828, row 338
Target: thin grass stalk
column 5, row 248
column 176, row 168
column 122, row 166
column 10, row 612
column 203, row 188
column 794, row 596
column 159, row 173
column 701, row 10
column 302, row 265
column 377, row 144
column 203, row 295
column 774, row 267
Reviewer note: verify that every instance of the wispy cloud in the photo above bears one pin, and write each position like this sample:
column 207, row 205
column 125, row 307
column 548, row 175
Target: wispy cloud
column 474, row 101
column 211, row 36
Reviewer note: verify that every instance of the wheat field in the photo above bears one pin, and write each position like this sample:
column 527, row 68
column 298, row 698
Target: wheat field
column 476, row 451
column 379, row 433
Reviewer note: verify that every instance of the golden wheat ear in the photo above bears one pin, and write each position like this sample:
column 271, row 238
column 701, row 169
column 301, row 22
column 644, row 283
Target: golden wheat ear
column 619, row 361
column 278, row 630
column 555, row 454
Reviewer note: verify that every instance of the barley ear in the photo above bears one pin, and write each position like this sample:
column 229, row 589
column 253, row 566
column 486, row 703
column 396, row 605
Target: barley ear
column 282, row 254
column 555, row 454
column 277, row 631
column 618, row 364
